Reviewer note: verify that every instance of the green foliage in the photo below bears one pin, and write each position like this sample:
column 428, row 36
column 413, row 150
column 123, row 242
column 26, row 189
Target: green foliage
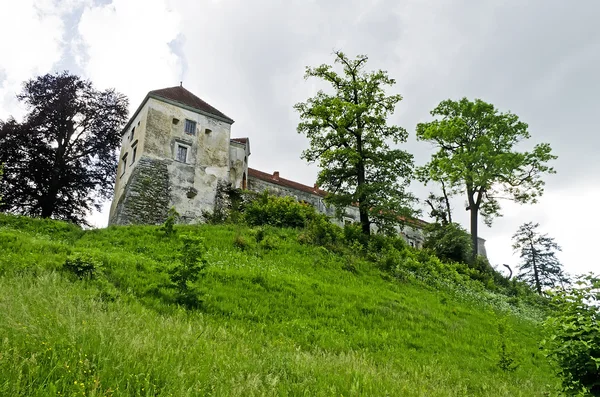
column 539, row 267
column 294, row 320
column 477, row 155
column 168, row 226
column 450, row 242
column 573, row 336
column 506, row 352
column 190, row 267
column 278, row 211
column 61, row 161
column 350, row 138
column 320, row 231
column 1, row 173
column 83, row 265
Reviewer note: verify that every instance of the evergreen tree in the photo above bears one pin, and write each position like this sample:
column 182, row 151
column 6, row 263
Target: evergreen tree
column 539, row 267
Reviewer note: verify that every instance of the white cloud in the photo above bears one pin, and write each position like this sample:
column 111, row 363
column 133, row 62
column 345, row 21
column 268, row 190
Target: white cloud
column 32, row 32
column 125, row 45
column 566, row 214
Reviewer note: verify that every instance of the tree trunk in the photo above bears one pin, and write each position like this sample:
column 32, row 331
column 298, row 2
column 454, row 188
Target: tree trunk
column 363, row 210
column 536, row 276
column 474, row 240
column 447, row 201
column 48, row 202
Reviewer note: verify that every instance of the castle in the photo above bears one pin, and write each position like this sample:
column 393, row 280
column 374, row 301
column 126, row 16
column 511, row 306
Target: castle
column 177, row 149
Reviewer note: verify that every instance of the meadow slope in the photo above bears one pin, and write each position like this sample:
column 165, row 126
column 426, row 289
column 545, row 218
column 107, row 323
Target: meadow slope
column 278, row 318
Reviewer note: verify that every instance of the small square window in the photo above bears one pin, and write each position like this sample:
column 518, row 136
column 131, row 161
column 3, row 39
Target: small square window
column 182, row 153
column 190, row 127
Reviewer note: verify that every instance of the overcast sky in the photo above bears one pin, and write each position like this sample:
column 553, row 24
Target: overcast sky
column 539, row 59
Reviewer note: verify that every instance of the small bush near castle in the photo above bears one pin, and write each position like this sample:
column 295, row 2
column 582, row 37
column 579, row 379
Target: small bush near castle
column 192, row 263
column 451, row 243
column 278, row 211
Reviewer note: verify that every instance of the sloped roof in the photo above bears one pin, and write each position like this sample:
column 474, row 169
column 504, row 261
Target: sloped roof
column 243, row 141
column 182, row 96
column 275, row 179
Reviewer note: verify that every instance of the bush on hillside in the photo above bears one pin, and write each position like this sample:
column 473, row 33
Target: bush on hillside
column 573, row 341
column 320, row 231
column 83, row 266
column 451, row 243
column 191, row 265
column 278, row 211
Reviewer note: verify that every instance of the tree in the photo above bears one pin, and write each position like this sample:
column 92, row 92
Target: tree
column 476, row 154
column 573, row 336
column 61, row 161
column 349, row 136
column 540, row 267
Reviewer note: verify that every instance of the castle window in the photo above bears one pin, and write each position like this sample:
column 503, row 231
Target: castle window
column 190, row 127
column 133, row 154
column 208, row 130
column 181, row 154
column 124, row 165
column 175, row 121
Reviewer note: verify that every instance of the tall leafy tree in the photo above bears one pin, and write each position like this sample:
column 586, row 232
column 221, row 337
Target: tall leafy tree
column 539, row 267
column 350, row 138
column 61, row 160
column 476, row 153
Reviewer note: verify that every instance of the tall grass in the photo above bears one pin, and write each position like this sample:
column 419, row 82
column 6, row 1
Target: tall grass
column 281, row 318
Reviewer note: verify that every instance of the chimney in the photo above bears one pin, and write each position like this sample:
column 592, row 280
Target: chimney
column 316, row 186
column 276, row 175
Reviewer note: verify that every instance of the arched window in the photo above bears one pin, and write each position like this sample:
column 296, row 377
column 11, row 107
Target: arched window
column 244, row 181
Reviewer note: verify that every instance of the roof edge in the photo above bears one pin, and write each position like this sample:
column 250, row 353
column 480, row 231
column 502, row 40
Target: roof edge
column 135, row 114
column 190, row 108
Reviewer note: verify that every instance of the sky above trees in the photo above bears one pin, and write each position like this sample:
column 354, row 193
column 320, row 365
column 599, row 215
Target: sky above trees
column 537, row 59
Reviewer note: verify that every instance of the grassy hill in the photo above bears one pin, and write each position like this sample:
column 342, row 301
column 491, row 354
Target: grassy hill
column 279, row 318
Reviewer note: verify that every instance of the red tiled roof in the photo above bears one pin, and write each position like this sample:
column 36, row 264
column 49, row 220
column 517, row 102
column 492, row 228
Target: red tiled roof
column 185, row 97
column 277, row 180
column 240, row 140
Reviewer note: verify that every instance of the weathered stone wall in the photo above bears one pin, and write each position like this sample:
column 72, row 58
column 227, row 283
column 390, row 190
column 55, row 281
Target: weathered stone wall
column 146, row 197
column 129, row 141
column 238, row 167
column 193, row 182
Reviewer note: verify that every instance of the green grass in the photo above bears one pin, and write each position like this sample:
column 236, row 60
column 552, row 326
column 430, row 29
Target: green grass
column 289, row 319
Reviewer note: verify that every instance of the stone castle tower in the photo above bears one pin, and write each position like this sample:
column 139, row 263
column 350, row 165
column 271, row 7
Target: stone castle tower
column 175, row 150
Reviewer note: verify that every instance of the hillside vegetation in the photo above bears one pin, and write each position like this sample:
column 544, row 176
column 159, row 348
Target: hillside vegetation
column 278, row 316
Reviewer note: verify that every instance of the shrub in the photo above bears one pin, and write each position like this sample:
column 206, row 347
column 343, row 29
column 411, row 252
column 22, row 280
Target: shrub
column 241, row 243
column 168, row 226
column 321, row 231
column 191, row 265
column 451, row 243
column 278, row 211
column 83, row 265
column 573, row 336
column 506, row 352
